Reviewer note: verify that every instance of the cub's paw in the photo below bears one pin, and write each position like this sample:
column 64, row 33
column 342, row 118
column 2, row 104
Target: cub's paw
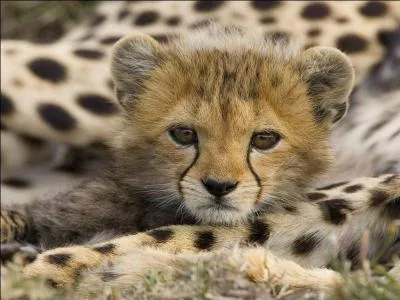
column 21, row 254
column 13, row 226
column 63, row 266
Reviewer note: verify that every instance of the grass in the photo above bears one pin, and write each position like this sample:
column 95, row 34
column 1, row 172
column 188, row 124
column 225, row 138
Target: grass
column 211, row 279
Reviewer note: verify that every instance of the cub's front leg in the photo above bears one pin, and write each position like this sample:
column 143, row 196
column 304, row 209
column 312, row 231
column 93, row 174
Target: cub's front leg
column 64, row 265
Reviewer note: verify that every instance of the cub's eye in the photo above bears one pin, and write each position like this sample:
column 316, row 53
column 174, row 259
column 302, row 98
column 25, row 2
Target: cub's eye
column 183, row 136
column 265, row 140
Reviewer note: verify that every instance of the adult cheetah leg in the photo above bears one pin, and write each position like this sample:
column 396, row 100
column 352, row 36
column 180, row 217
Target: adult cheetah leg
column 303, row 235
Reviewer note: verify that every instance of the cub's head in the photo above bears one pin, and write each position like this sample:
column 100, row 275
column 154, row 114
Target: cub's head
column 224, row 122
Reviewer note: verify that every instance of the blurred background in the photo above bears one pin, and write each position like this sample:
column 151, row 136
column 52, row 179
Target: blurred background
column 41, row 21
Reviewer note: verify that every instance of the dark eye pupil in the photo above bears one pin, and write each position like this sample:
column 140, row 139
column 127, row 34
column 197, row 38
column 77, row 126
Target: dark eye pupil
column 265, row 141
column 183, row 136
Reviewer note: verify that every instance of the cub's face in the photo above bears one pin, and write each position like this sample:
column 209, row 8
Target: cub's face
column 222, row 135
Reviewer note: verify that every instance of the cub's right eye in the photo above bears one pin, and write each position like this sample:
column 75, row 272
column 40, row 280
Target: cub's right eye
column 183, row 136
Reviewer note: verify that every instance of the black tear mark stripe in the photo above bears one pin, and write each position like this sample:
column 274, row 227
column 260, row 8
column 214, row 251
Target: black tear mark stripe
column 335, row 210
column 161, row 235
column 332, row 186
column 105, row 249
column 188, row 169
column 258, row 180
column 259, row 232
column 204, row 240
column 60, row 259
column 306, row 243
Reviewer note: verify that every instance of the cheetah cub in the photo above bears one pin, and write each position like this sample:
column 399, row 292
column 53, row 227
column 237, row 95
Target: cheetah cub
column 225, row 129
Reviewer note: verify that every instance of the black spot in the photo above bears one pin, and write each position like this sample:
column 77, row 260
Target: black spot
column 173, row 21
column 352, row 43
column 228, row 77
column 315, row 196
column 109, row 276
column 161, row 38
column 60, row 259
column 161, row 235
column 88, row 53
column 204, row 240
column 123, row 14
column 16, row 182
column 105, row 249
column 7, row 106
column 147, row 18
column 334, row 210
column 390, row 178
column 259, row 232
column 110, row 84
column 97, row 20
column 275, row 80
column 314, row 32
column 207, row 6
column 392, row 209
column 373, row 9
column 395, row 134
column 48, row 69
column 31, row 140
column 268, row 20
column 375, row 127
column 387, row 38
column 342, row 20
column 109, row 40
column 290, row 208
column 265, row 5
column 332, row 186
column 56, row 116
column 378, row 197
column 277, row 37
column 306, row 243
column 85, row 37
column 353, row 188
column 315, row 11
column 353, row 255
column 97, row 104
column 200, row 24
column 310, row 45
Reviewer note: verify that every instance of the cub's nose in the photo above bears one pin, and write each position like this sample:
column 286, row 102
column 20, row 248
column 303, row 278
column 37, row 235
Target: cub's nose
column 219, row 188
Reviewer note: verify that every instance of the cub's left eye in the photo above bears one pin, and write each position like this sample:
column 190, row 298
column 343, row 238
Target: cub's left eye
column 183, row 136
column 265, row 140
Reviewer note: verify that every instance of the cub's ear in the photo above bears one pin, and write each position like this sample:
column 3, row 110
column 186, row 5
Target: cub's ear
column 132, row 60
column 330, row 77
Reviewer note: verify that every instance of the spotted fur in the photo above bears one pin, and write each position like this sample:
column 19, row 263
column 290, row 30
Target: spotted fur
column 145, row 69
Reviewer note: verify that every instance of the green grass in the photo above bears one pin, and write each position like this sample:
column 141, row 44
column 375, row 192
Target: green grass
column 213, row 279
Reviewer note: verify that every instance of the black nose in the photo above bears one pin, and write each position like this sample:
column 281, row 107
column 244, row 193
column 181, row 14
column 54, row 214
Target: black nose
column 219, row 188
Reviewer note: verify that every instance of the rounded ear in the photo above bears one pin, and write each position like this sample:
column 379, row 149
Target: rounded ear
column 132, row 60
column 329, row 75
